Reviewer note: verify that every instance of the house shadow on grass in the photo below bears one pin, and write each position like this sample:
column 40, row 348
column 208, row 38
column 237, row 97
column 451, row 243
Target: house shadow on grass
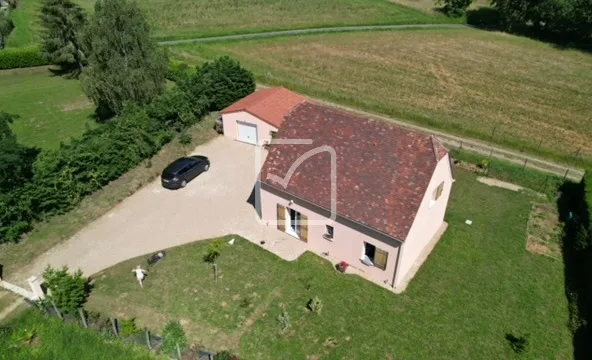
column 487, row 18
column 577, row 260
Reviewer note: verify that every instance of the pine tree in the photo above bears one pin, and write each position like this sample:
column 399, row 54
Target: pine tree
column 125, row 64
column 64, row 22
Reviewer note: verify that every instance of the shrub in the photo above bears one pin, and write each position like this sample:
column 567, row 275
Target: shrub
column 173, row 335
column 454, row 8
column 185, row 139
column 129, row 327
column 315, row 305
column 176, row 110
column 518, row 344
column 68, row 291
column 21, row 58
column 284, row 319
column 213, row 251
column 222, row 82
column 225, row 355
column 245, row 302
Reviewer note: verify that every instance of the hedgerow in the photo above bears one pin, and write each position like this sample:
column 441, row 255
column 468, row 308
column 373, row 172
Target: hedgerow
column 21, row 58
column 63, row 177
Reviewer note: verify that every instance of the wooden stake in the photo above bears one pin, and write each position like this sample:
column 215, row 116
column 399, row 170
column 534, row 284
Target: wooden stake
column 57, row 310
column 81, row 312
column 114, row 327
column 148, row 340
column 216, row 273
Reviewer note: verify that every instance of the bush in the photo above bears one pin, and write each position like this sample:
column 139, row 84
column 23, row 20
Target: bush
column 173, row 335
column 315, row 305
column 68, row 291
column 185, row 139
column 21, row 58
column 222, row 82
column 518, row 344
column 454, row 8
column 284, row 320
column 129, row 327
column 225, row 355
column 213, row 251
column 176, row 110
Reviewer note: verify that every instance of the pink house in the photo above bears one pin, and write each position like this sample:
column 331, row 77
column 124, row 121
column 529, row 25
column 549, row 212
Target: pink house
column 354, row 189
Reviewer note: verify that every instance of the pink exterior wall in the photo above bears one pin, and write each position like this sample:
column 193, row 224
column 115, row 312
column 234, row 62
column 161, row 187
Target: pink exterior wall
column 349, row 237
column 428, row 220
column 231, row 129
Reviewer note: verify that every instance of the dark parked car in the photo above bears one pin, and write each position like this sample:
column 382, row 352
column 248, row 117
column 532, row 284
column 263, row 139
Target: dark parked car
column 183, row 170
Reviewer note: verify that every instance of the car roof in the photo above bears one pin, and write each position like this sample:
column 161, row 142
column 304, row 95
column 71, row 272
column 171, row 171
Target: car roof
column 199, row 157
column 178, row 164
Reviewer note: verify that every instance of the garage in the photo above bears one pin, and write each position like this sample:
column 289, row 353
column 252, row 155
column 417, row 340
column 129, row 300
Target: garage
column 256, row 117
column 247, row 132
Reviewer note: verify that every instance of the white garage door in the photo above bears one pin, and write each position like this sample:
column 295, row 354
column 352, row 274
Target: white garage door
column 247, row 133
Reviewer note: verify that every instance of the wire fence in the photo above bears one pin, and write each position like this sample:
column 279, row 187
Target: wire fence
column 113, row 329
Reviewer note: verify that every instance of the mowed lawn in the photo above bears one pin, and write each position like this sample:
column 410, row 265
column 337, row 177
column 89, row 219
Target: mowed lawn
column 53, row 339
column 477, row 286
column 52, row 109
column 527, row 94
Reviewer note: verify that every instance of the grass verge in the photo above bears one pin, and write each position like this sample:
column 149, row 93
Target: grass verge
column 507, row 90
column 59, row 228
column 477, row 287
column 498, row 169
column 33, row 335
column 53, row 109
column 26, row 25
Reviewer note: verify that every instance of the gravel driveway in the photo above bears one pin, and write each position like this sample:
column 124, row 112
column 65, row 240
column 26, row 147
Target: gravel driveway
column 213, row 204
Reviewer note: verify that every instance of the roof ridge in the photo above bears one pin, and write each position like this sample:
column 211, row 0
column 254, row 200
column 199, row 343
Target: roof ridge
column 434, row 151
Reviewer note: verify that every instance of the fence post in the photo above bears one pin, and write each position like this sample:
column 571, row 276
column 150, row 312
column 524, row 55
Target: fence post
column 178, row 352
column 57, row 310
column 461, row 145
column 114, row 327
column 525, row 162
column 216, row 273
column 566, row 172
column 148, row 340
column 81, row 312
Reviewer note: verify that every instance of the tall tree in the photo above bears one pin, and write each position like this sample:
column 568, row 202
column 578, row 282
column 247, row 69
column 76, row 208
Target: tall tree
column 125, row 64
column 16, row 160
column 64, row 22
column 6, row 25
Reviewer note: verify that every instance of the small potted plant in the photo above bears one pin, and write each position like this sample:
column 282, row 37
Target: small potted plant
column 342, row 266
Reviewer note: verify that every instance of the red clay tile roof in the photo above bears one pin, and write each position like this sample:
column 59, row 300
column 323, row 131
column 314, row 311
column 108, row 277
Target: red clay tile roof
column 269, row 105
column 382, row 170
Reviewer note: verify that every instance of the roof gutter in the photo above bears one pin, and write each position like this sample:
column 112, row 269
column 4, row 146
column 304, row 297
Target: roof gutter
column 345, row 217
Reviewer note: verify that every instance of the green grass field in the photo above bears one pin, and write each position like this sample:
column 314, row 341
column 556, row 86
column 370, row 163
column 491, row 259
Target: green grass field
column 176, row 19
column 52, row 108
column 52, row 339
column 26, row 25
column 477, row 286
column 527, row 94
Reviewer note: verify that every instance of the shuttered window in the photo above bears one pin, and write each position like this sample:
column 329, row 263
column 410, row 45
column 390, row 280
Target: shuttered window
column 438, row 191
column 380, row 259
column 303, row 227
column 281, row 218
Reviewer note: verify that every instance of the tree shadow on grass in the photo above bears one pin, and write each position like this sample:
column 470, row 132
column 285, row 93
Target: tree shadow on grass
column 577, row 260
column 489, row 19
